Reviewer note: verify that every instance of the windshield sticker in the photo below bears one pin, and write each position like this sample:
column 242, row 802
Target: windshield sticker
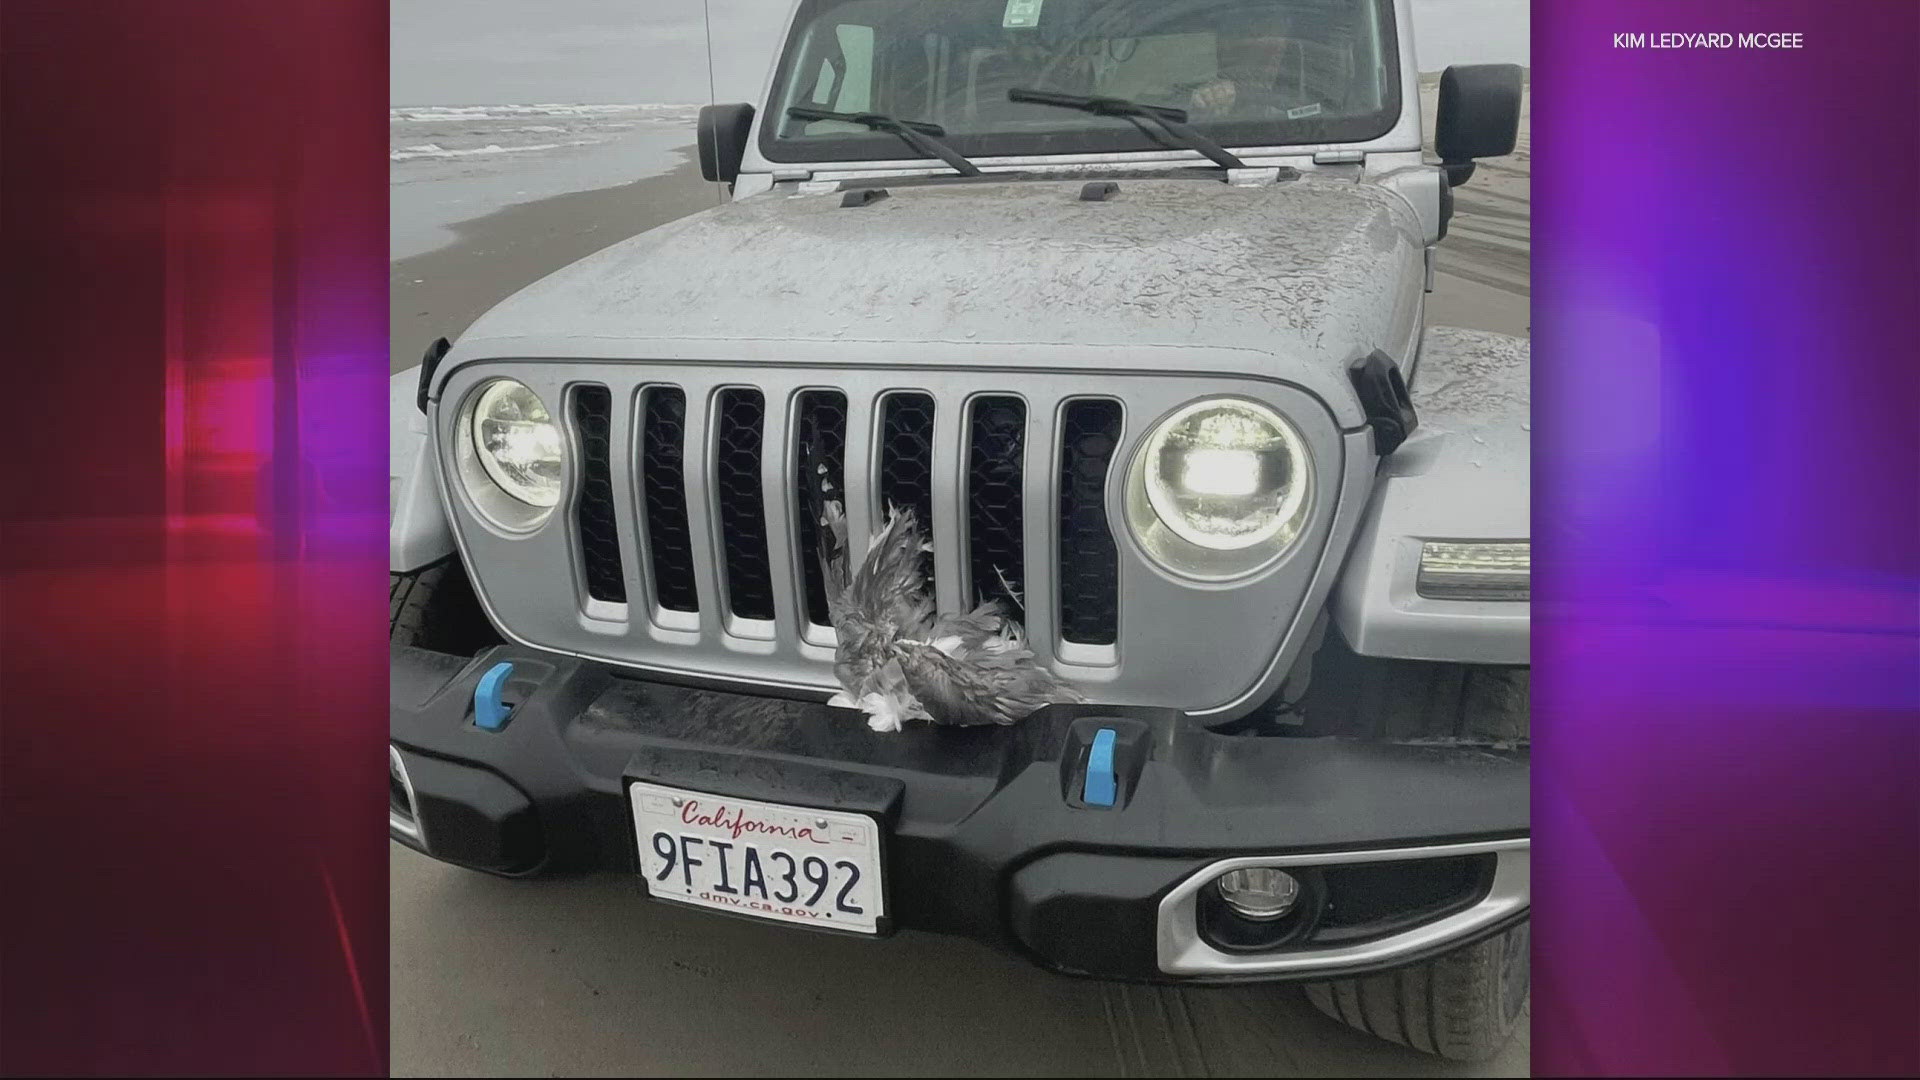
column 1304, row 111
column 1021, row 13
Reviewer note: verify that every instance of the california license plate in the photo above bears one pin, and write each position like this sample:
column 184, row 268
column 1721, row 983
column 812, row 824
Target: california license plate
column 785, row 863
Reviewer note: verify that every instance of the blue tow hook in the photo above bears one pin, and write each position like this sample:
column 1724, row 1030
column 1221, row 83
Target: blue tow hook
column 489, row 712
column 1101, row 787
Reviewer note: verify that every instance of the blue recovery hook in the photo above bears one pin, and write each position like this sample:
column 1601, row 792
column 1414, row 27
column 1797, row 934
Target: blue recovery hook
column 489, row 712
column 1101, row 786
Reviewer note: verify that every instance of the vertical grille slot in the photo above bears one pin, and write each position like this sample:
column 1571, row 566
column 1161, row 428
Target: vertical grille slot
column 599, row 537
column 996, row 520
column 822, row 442
column 1089, row 561
column 663, row 436
column 738, row 430
column 906, row 462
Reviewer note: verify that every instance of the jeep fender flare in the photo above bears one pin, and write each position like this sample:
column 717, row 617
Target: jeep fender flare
column 1463, row 475
column 418, row 534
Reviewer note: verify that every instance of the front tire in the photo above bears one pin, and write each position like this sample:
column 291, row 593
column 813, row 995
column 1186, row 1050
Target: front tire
column 1466, row 1004
column 435, row 608
column 1367, row 697
column 1463, row 1006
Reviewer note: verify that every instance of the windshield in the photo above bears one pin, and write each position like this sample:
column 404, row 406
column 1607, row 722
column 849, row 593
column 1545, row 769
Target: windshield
column 1247, row 72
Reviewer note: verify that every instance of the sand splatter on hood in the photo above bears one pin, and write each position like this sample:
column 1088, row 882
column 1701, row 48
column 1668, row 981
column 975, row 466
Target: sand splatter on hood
column 1315, row 271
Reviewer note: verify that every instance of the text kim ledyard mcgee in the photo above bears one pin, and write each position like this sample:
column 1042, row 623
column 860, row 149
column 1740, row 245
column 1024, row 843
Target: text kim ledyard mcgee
column 1709, row 39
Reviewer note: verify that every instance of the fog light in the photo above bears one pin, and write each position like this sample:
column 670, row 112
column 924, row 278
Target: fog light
column 1261, row 893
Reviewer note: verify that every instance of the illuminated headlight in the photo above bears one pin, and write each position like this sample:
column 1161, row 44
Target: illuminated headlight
column 1475, row 571
column 1229, row 477
column 510, row 454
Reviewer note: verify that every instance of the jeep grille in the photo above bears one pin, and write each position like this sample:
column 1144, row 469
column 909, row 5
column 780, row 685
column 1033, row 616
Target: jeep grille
column 996, row 503
column 684, row 546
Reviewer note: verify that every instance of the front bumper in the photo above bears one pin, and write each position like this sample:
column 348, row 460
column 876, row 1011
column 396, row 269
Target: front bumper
column 1407, row 851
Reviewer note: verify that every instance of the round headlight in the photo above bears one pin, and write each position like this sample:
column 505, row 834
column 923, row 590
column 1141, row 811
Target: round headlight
column 1227, row 475
column 517, row 443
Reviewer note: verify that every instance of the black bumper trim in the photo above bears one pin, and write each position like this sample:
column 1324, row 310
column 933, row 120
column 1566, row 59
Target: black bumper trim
column 970, row 812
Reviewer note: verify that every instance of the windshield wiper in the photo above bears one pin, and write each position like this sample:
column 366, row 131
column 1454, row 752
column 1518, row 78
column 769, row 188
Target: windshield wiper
column 1172, row 121
column 921, row 136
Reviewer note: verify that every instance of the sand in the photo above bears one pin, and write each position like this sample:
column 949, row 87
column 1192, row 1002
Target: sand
column 441, row 292
column 1485, row 263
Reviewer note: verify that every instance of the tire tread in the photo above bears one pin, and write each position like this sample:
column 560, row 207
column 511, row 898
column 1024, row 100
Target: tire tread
column 435, row 608
column 1453, row 1006
column 1373, row 698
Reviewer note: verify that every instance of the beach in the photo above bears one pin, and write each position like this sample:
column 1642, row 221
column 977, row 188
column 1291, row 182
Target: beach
column 1483, row 267
column 439, row 292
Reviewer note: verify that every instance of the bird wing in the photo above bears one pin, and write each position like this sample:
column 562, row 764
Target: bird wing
column 897, row 659
column 888, row 589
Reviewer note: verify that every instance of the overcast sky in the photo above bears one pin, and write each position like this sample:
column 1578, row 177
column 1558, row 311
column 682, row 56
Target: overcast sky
column 483, row 52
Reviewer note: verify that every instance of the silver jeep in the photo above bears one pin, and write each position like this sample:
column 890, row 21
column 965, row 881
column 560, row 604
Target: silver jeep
column 1126, row 301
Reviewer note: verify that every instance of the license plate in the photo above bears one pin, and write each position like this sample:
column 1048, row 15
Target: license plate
column 785, row 863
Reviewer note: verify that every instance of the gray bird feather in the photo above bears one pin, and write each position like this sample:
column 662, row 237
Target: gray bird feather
column 900, row 659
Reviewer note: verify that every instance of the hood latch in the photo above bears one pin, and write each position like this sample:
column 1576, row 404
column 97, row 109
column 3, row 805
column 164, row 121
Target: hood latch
column 1384, row 398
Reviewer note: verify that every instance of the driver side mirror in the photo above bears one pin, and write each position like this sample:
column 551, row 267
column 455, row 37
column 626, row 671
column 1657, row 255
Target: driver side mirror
column 1478, row 116
column 723, row 140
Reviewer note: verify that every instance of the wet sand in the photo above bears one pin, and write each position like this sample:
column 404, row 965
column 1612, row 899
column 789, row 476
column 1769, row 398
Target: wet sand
column 1485, row 263
column 439, row 293
column 585, row 977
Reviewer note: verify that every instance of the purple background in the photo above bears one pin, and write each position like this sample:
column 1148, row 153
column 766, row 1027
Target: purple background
column 1727, row 781
column 193, row 867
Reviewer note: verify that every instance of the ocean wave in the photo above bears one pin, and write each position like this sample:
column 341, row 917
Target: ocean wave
column 443, row 113
column 435, row 150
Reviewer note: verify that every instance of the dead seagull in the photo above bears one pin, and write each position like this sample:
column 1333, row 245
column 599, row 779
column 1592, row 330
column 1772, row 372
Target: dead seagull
column 898, row 658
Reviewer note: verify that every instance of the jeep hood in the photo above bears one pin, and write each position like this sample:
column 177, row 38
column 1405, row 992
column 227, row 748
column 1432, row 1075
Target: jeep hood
column 1290, row 281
